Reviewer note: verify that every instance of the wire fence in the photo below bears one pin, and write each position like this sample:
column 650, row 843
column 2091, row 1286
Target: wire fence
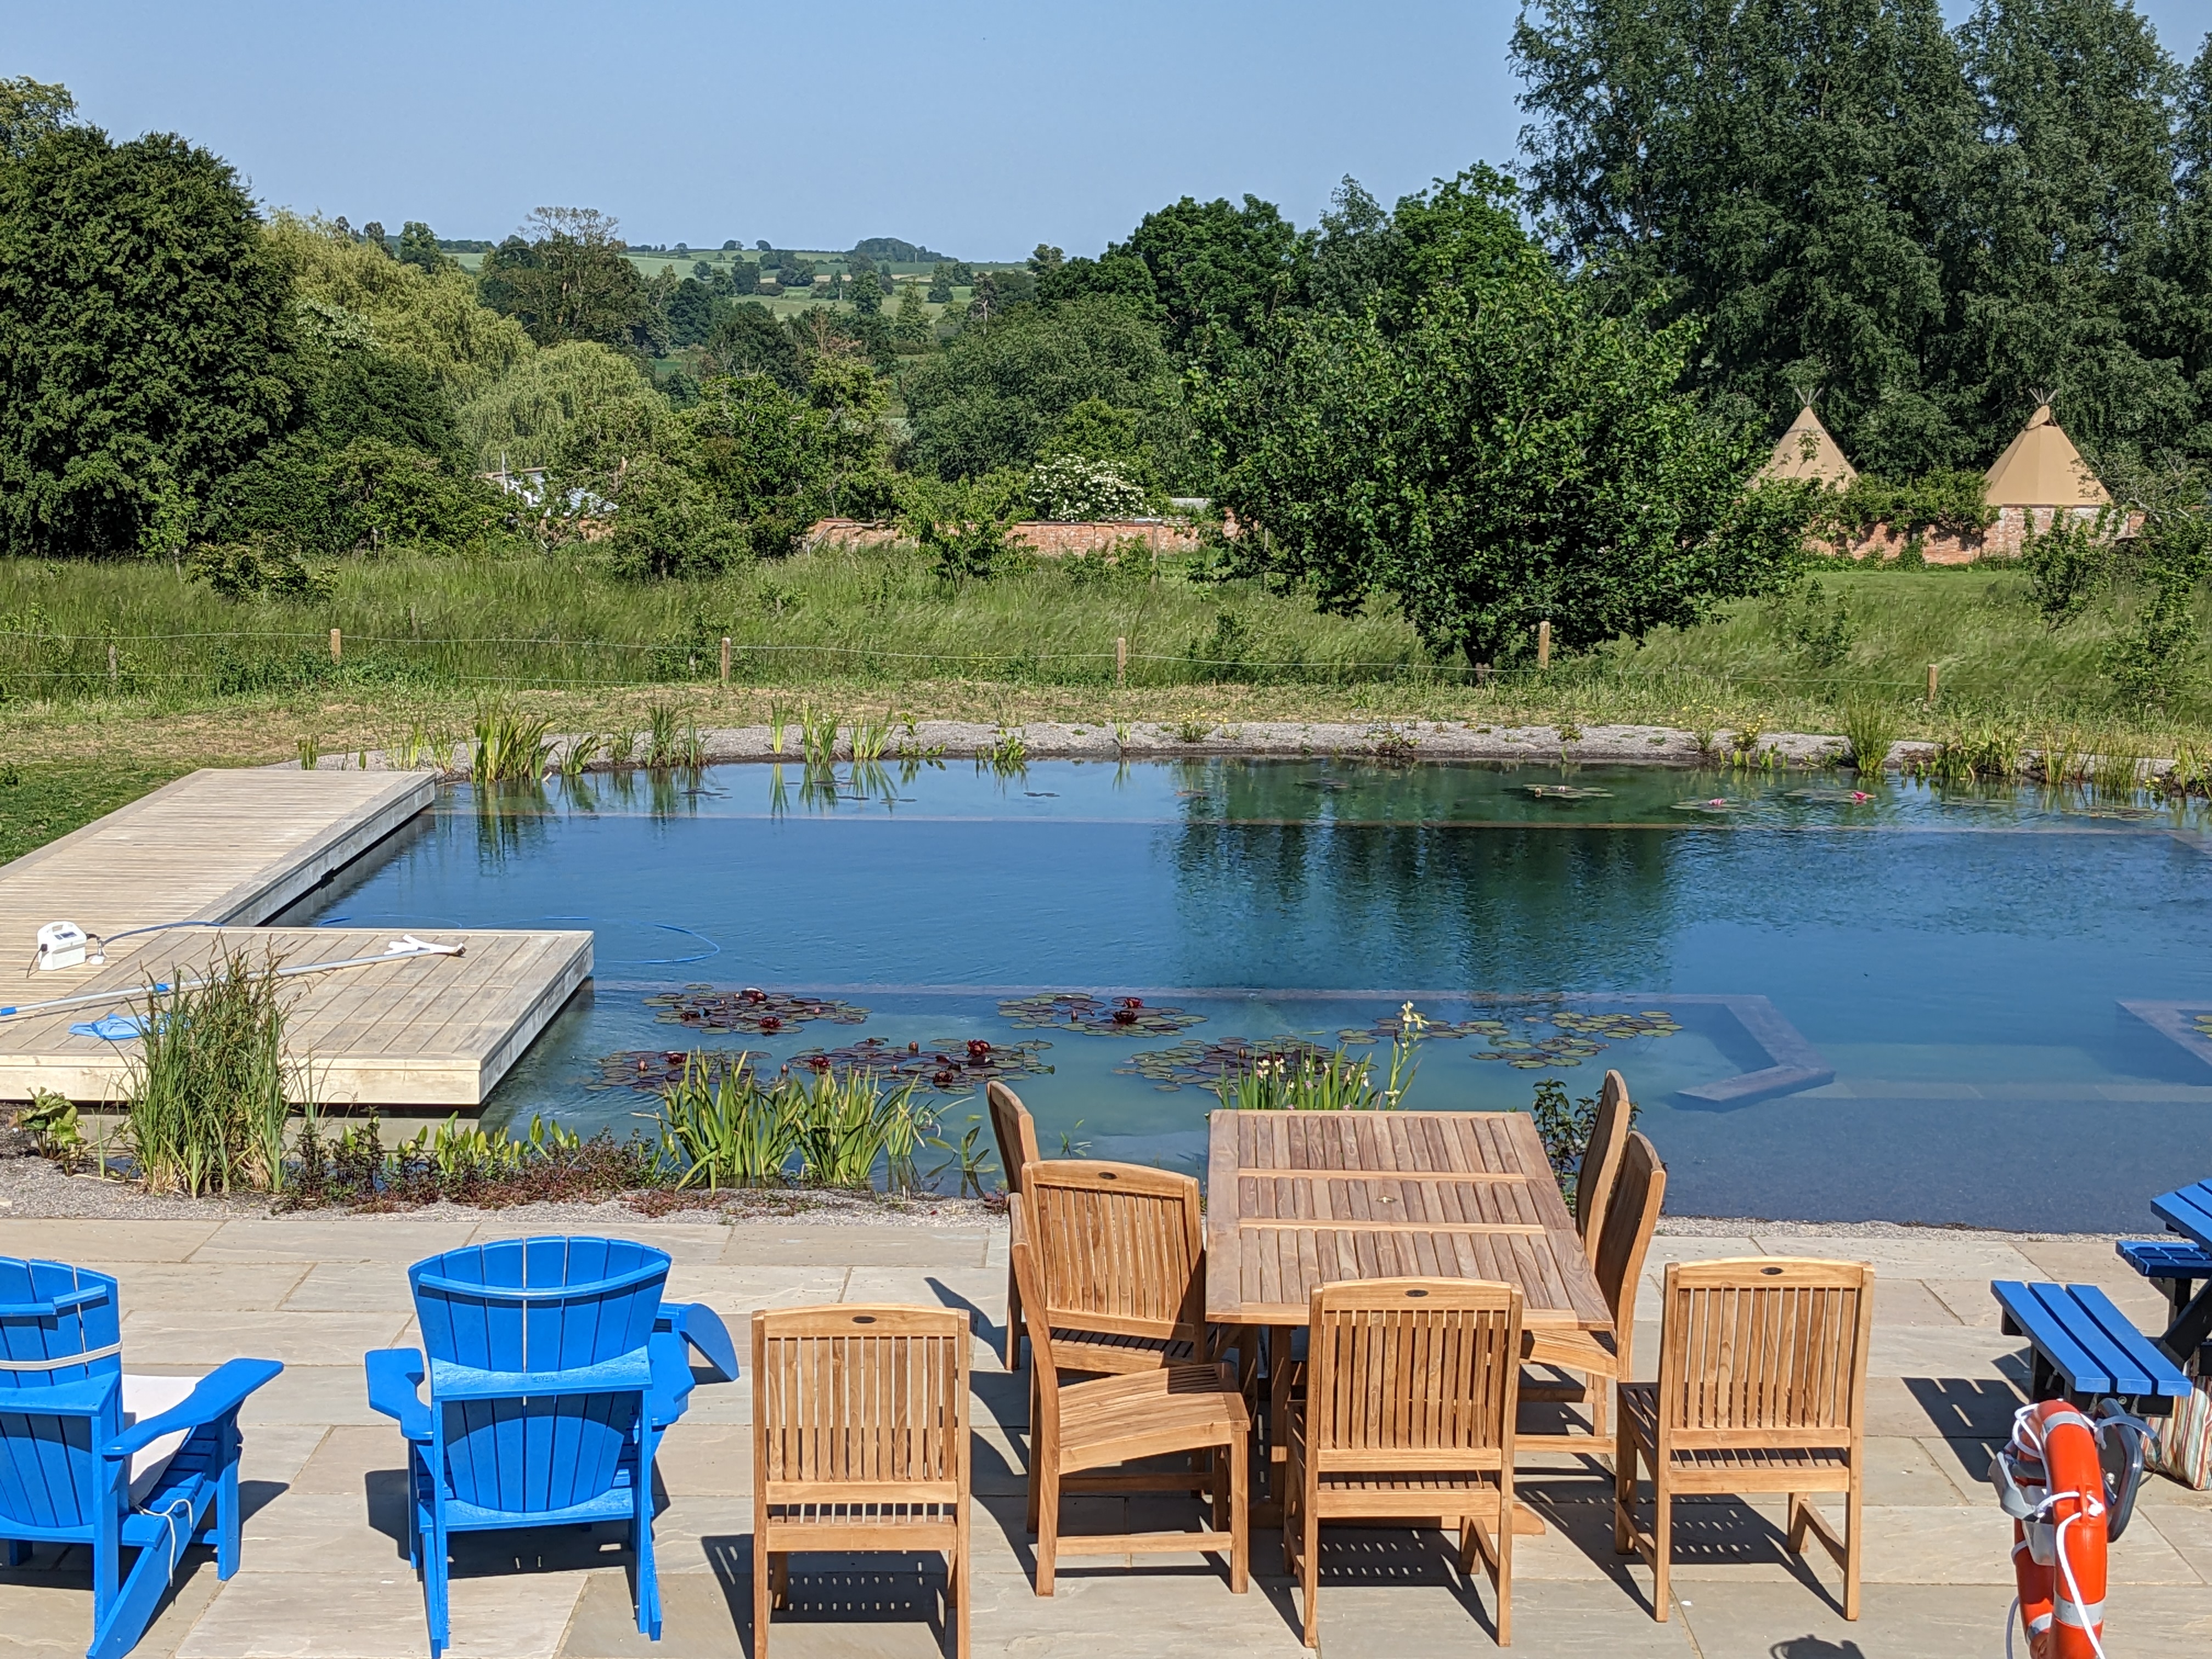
column 48, row 666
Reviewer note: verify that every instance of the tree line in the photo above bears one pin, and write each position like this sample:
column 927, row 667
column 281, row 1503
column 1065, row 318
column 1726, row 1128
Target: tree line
column 1542, row 395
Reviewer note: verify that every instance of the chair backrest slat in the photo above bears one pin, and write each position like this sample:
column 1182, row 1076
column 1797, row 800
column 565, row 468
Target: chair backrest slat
column 869, row 1397
column 1117, row 1247
column 49, row 1473
column 1015, row 1130
column 1407, row 1371
column 1601, row 1165
column 1765, row 1345
column 1631, row 1216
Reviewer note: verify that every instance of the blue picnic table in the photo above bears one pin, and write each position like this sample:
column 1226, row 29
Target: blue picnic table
column 2188, row 1210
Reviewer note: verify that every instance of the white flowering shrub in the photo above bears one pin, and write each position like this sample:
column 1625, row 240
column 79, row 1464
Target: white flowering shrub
column 1069, row 489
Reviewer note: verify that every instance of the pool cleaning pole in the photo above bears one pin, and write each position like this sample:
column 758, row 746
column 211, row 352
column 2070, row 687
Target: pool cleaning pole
column 401, row 949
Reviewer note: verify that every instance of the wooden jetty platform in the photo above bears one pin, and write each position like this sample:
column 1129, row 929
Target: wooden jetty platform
column 234, row 847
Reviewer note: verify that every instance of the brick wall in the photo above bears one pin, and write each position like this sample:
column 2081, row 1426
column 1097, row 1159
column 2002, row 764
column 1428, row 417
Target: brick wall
column 1047, row 539
column 2001, row 540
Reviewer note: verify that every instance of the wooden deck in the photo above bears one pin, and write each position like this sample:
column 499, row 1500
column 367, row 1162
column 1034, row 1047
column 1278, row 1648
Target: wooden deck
column 235, row 847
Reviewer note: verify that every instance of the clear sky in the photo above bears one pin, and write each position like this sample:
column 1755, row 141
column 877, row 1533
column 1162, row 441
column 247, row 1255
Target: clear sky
column 979, row 128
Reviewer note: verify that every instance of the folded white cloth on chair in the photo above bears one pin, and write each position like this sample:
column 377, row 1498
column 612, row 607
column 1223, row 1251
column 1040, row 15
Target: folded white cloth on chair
column 149, row 1396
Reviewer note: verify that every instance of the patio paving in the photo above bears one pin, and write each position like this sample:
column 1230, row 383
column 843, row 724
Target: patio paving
column 325, row 1576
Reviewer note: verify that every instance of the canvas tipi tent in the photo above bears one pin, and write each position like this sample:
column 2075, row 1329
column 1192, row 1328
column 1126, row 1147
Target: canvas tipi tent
column 1806, row 451
column 2042, row 468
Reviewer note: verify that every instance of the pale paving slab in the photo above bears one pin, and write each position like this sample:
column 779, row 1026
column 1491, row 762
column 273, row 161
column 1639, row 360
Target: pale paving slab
column 334, row 1615
column 173, row 1339
column 71, row 1239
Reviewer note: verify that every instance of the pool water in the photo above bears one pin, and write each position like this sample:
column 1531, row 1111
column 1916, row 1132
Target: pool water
column 1907, row 1005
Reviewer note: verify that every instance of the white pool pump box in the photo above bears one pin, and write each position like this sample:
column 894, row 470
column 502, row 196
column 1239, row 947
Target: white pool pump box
column 62, row 945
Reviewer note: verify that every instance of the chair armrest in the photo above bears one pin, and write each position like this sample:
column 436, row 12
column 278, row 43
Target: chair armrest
column 702, row 1326
column 673, row 1381
column 395, row 1384
column 217, row 1396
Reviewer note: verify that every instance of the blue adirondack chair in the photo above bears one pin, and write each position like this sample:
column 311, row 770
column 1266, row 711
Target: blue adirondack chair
column 67, row 1458
column 553, row 1368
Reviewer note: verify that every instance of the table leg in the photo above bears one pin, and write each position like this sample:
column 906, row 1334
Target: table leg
column 2191, row 1328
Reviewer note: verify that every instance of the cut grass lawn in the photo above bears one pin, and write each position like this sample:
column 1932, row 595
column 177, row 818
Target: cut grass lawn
column 42, row 801
column 198, row 679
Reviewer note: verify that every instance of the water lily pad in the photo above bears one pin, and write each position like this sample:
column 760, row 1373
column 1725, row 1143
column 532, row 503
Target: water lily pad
column 651, row 1070
column 1080, row 1011
column 1715, row 805
column 764, row 1014
column 1565, row 791
column 1200, row 1064
column 943, row 1065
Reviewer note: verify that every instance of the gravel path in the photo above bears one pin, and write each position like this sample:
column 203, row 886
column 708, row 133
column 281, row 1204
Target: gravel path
column 31, row 1189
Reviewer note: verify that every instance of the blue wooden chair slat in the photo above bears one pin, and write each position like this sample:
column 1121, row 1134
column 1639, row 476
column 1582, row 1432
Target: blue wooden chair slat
column 65, row 1455
column 2166, row 1258
column 2189, row 1208
column 2151, row 1368
column 2077, row 1333
column 548, row 1389
column 2119, row 1370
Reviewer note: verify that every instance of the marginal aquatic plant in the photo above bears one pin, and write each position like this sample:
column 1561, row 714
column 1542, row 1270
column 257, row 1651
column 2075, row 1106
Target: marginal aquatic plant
column 311, row 753
column 1337, row 1082
column 2116, row 773
column 1008, row 753
column 511, row 746
column 664, row 739
column 838, row 1127
column 1869, row 729
column 206, row 1107
column 970, row 1156
column 870, row 739
column 817, row 737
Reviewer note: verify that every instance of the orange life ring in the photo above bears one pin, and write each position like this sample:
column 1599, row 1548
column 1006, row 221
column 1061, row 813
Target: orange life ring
column 2058, row 1559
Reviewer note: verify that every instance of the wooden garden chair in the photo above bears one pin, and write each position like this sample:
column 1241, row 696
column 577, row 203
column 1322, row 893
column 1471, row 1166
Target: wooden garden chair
column 1601, row 1165
column 1121, row 1264
column 1762, row 1388
column 1076, row 1429
column 1015, row 1131
column 1632, row 1214
column 860, row 1442
column 1410, row 1391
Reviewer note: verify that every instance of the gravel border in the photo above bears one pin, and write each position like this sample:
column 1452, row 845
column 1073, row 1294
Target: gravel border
column 1391, row 740
column 33, row 1189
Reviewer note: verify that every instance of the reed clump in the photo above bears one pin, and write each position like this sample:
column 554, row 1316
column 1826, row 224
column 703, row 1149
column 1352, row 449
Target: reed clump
column 829, row 1129
column 1870, row 729
column 207, row 1106
column 511, row 746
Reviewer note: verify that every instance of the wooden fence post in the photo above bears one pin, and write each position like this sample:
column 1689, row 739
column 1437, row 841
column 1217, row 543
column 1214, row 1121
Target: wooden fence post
column 1544, row 644
column 725, row 659
column 337, row 646
column 1121, row 659
column 1932, row 672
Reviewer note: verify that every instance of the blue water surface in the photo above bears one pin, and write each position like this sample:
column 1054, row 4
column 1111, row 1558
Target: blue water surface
column 1958, row 961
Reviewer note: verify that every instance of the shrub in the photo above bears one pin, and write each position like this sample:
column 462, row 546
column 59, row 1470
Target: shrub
column 1070, row 489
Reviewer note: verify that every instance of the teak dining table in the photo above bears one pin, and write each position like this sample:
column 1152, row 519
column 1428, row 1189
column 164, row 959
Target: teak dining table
column 1296, row 1199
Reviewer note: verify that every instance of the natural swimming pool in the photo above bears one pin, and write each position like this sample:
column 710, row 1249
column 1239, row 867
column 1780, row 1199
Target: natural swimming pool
column 1927, row 1006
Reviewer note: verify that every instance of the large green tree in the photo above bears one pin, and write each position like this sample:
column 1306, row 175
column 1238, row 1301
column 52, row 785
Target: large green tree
column 1509, row 455
column 145, row 347
column 569, row 280
column 1934, row 225
column 994, row 395
column 2062, row 218
column 1214, row 271
column 1784, row 168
